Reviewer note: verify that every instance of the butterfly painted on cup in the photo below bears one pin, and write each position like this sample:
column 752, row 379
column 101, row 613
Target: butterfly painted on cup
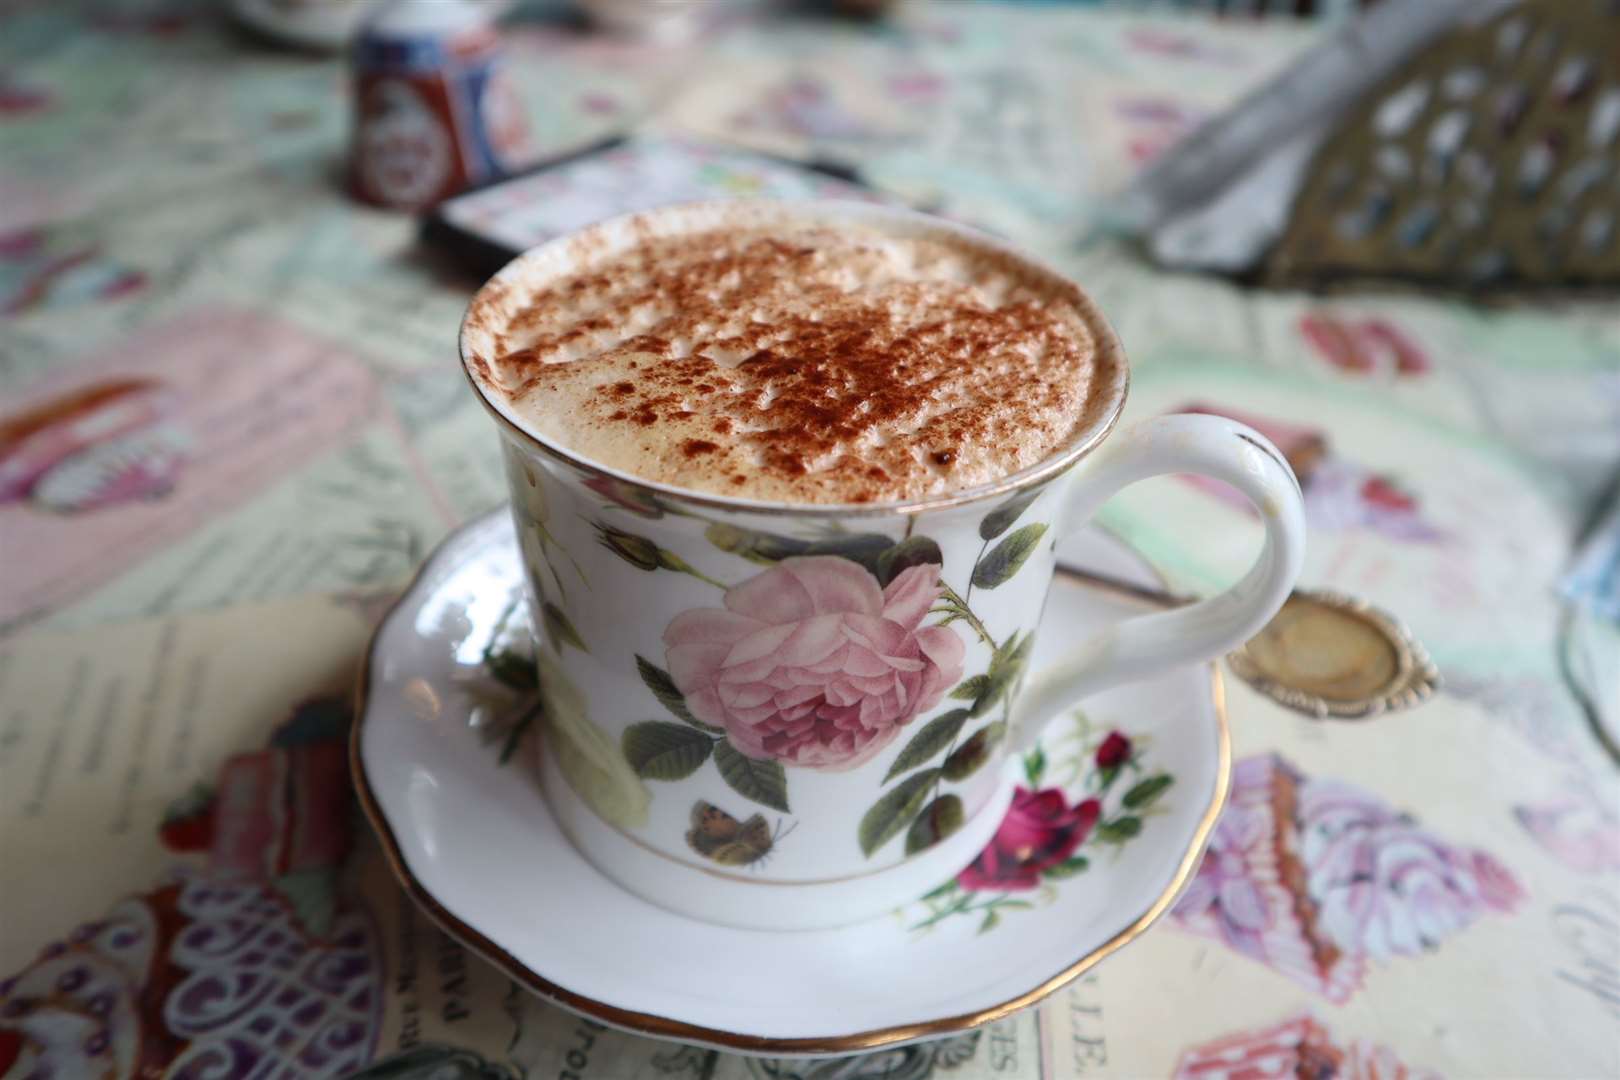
column 717, row 835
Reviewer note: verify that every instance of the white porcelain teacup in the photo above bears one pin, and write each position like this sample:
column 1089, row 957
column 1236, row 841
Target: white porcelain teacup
column 664, row 758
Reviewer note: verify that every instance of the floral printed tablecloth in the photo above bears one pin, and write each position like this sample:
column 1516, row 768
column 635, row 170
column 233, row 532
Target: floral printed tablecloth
column 1433, row 892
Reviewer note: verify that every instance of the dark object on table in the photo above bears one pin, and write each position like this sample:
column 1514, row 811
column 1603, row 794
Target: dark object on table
column 666, row 21
column 1490, row 159
column 864, row 9
column 487, row 227
column 314, row 25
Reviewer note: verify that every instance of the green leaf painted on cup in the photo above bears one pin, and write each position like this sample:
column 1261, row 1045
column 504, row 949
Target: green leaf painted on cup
column 895, row 810
column 864, row 548
column 513, row 669
column 764, row 782
column 659, row 750
column 768, row 548
column 636, row 550
column 970, row 757
column 1004, row 560
column 939, row 819
column 1007, row 664
column 663, row 688
column 933, row 737
column 1012, row 654
column 1145, row 792
column 971, row 688
column 913, row 551
column 1001, row 518
column 753, row 545
column 559, row 629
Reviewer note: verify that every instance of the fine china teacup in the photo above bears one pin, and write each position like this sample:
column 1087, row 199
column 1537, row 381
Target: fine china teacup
column 684, row 637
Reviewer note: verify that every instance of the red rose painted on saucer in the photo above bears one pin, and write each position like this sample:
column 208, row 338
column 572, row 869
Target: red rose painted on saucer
column 1040, row 831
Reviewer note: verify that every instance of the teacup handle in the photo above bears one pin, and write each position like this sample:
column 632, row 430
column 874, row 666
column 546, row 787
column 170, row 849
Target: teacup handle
column 1139, row 646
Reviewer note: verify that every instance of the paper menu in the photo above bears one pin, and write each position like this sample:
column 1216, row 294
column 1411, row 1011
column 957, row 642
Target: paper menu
column 637, row 174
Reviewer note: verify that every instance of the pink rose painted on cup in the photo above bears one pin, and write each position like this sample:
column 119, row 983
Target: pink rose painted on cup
column 813, row 663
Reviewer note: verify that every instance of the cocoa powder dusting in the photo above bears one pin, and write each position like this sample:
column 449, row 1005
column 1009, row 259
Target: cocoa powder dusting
column 807, row 363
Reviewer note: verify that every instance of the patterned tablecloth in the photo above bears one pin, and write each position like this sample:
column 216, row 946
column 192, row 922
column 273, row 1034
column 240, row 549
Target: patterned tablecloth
column 183, row 600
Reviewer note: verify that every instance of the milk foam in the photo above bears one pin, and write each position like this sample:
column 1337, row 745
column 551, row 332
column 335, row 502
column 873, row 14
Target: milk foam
column 786, row 358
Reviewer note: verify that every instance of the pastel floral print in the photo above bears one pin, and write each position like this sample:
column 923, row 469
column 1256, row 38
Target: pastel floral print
column 1340, row 494
column 943, row 750
column 1363, row 346
column 1581, row 830
column 1315, row 878
column 812, row 663
column 1300, row 1046
column 1385, row 884
column 1224, row 886
column 116, row 441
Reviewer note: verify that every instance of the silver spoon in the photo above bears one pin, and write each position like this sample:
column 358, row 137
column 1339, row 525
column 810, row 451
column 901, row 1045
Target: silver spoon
column 1325, row 654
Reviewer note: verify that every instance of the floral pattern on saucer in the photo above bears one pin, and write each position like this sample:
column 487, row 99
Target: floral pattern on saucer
column 1096, row 798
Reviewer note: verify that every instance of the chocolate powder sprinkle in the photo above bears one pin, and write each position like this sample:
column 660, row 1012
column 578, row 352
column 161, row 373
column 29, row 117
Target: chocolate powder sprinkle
column 804, row 363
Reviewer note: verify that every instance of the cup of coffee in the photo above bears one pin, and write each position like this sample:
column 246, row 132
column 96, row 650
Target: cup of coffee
column 788, row 478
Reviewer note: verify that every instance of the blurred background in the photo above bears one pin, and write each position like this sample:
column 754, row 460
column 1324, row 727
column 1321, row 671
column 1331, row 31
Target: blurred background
column 236, row 240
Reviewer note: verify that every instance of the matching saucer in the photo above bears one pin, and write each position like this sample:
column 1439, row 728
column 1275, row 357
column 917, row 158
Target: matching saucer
column 1109, row 824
